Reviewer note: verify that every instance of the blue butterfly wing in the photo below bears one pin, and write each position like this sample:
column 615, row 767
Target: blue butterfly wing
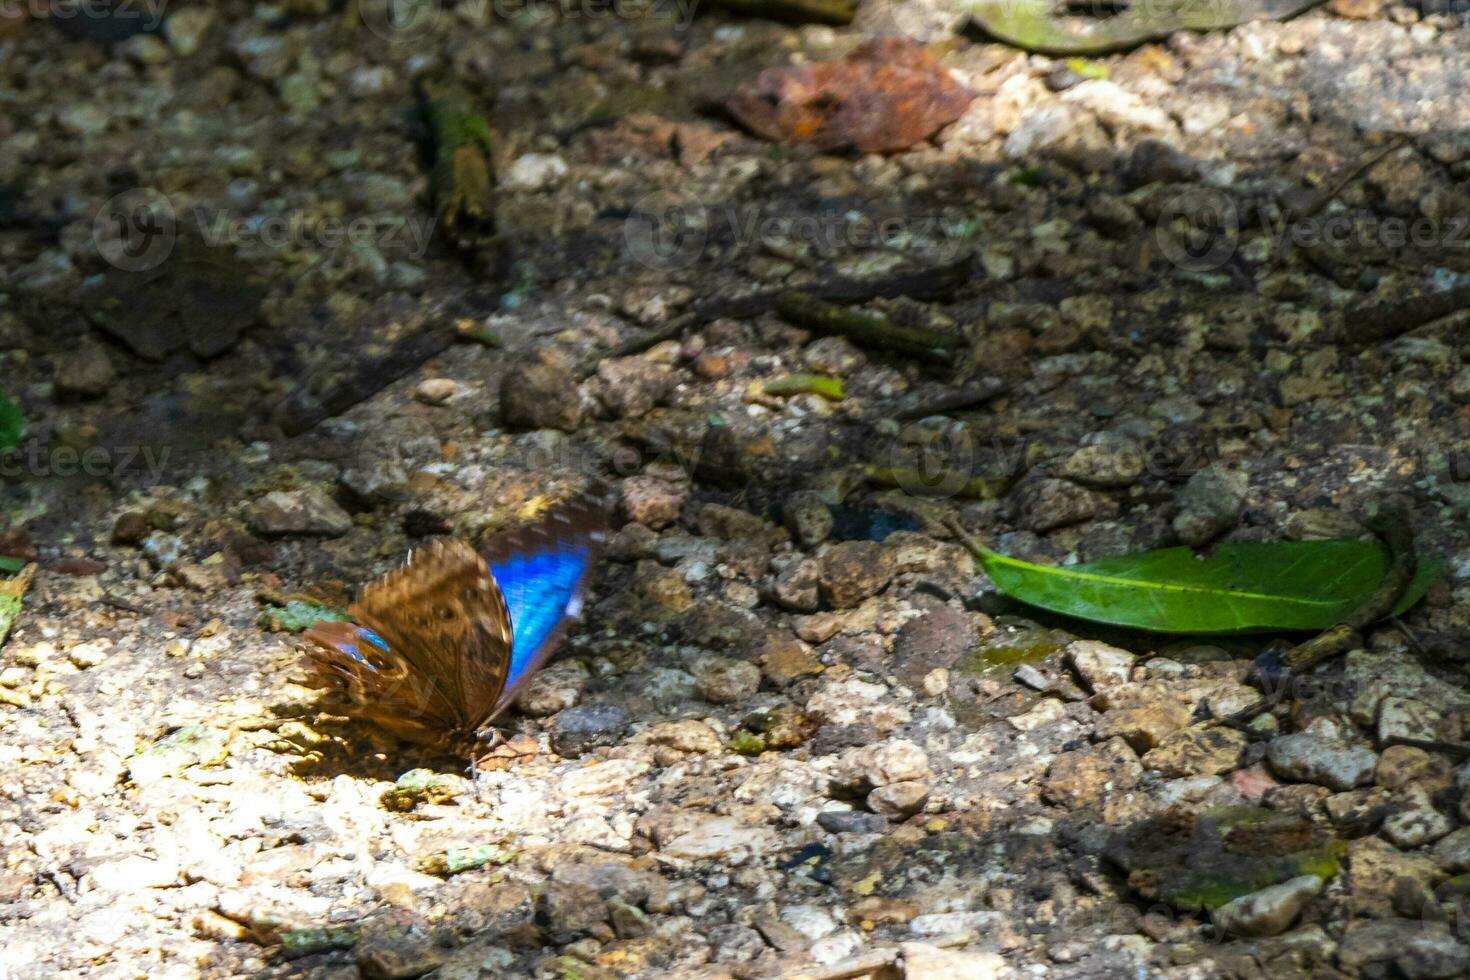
column 543, row 571
column 541, row 590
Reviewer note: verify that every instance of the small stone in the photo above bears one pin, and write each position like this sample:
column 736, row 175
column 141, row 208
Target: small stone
column 131, row 874
column 851, row 822
column 1378, row 870
column 808, row 518
column 833, row 355
column 736, row 944
column 785, row 659
column 1048, row 504
column 879, row 765
column 541, row 396
column 1048, row 711
column 899, row 800
column 570, row 909
column 435, row 391
column 1312, row 758
column 933, row 641
column 195, row 745
column 653, row 502
column 1415, row 820
column 1357, row 9
column 1399, row 765
column 689, row 736
column 1405, row 718
column 303, row 512
column 1452, row 853
column 534, row 172
column 717, row 838
column 1270, row 911
column 924, row 962
column 795, row 586
column 724, row 681
column 1209, row 505
column 1156, row 162
column 632, row 386
column 851, row 571
column 1104, row 465
column 130, row 528
column 85, row 655
column 1098, row 665
column 1145, row 726
column 579, row 730
column 555, row 688
column 1091, row 775
column 1433, row 954
column 185, row 28
column 86, row 372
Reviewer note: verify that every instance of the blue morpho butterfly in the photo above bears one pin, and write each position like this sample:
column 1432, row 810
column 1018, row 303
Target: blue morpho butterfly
column 441, row 644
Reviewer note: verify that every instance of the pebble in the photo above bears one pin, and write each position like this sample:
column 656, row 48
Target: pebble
column 1098, row 665
column 1048, row 504
column 1089, row 776
column 1312, row 758
column 435, row 391
column 1209, row 505
column 534, row 172
column 653, row 502
column 1415, row 819
column 577, row 731
column 851, row 571
column 86, row 372
column 851, row 822
column 899, row 800
column 808, row 518
column 632, row 386
column 1270, row 911
column 540, row 396
column 554, row 688
column 1104, row 465
column 795, row 586
column 298, row 512
column 725, row 681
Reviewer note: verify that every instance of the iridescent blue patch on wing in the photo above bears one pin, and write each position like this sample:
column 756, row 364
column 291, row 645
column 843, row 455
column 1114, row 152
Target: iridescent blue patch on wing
column 366, row 634
column 539, row 590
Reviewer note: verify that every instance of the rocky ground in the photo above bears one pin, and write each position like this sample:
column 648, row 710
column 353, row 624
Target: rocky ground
column 777, row 747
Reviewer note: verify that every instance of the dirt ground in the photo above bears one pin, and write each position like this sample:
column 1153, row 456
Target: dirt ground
column 788, row 739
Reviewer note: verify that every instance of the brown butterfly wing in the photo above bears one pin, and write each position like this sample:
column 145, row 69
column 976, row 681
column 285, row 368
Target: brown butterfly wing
column 446, row 639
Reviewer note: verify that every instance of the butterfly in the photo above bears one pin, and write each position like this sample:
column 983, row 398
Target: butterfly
column 441, row 644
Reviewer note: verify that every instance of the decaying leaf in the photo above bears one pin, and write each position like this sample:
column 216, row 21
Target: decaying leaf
column 886, row 96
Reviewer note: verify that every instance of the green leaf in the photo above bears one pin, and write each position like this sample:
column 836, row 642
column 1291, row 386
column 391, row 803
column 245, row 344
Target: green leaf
column 12, row 424
column 1241, row 587
column 802, row 384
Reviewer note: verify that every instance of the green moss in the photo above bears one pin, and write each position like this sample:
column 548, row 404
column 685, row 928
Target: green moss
column 747, row 743
column 297, row 615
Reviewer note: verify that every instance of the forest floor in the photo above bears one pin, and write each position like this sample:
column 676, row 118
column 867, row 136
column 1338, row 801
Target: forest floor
column 776, row 747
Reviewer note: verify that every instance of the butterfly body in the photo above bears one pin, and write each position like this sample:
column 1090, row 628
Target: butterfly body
column 441, row 644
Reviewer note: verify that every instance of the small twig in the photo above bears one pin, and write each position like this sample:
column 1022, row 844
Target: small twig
column 1370, row 323
column 1347, row 175
column 638, row 343
column 966, row 397
column 867, row 329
